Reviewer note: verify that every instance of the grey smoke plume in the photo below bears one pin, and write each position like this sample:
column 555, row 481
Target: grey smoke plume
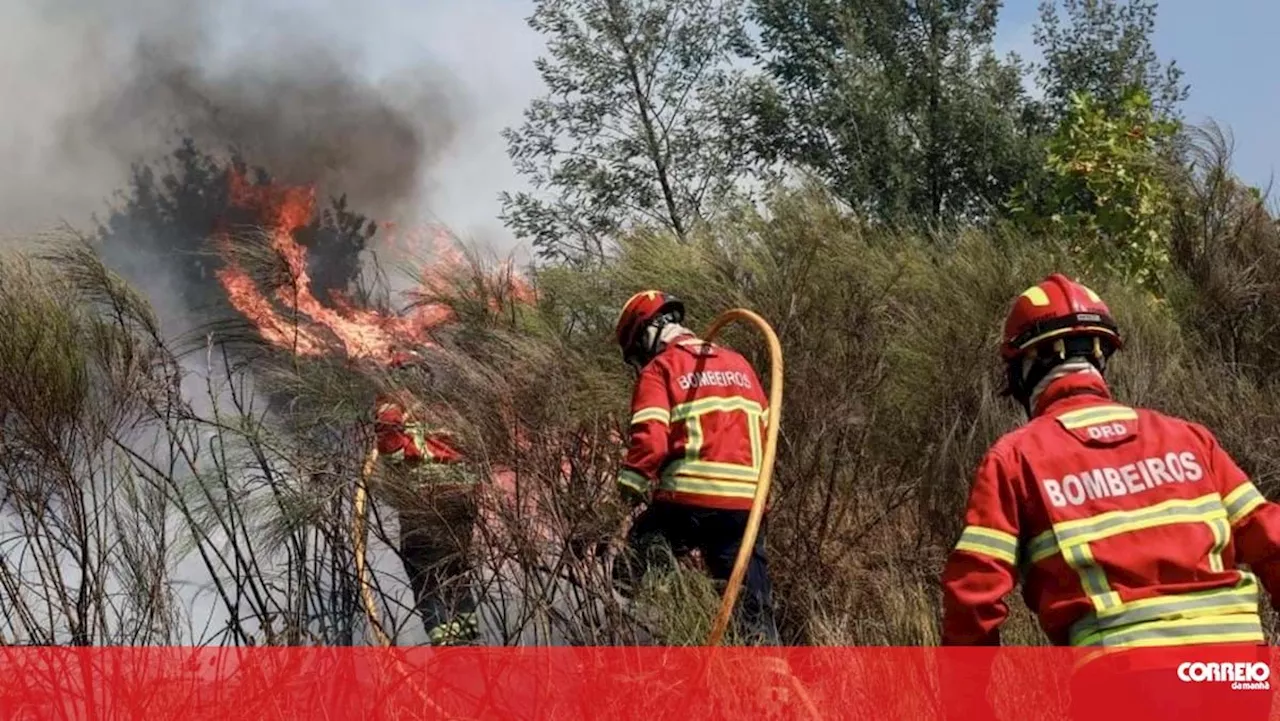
column 99, row 86
column 94, row 86
column 297, row 110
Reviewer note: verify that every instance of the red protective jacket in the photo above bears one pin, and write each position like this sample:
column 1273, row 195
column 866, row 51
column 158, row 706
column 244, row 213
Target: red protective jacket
column 698, row 419
column 1128, row 528
column 402, row 438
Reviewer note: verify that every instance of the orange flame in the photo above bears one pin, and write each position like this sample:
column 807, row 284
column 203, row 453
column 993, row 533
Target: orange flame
column 313, row 328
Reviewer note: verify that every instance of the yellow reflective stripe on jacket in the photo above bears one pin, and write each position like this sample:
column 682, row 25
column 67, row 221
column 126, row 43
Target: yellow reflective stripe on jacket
column 692, row 438
column 633, row 480
column 709, row 469
column 1230, row 628
column 1221, row 536
column 417, row 431
column 709, row 486
column 757, row 446
column 691, row 474
column 1080, row 557
column 1073, row 539
column 989, row 542
column 1204, row 509
column 710, row 479
column 1042, row 547
column 1242, row 501
column 703, row 406
column 1236, row 601
column 662, row 415
column 1096, row 415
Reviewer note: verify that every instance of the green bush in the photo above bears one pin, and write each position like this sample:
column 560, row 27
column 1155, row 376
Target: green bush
column 1103, row 186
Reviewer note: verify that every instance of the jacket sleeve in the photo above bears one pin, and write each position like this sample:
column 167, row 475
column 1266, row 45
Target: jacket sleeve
column 981, row 569
column 1255, row 521
column 650, row 432
column 439, row 446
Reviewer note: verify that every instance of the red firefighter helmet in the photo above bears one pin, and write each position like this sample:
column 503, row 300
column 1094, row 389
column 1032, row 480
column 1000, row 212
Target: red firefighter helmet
column 1056, row 307
column 639, row 310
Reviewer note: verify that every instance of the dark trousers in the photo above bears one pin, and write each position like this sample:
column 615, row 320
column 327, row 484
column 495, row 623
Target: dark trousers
column 717, row 535
column 435, row 546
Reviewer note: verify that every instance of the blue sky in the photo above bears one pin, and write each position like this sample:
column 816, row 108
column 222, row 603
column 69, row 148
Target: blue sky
column 485, row 51
column 1227, row 50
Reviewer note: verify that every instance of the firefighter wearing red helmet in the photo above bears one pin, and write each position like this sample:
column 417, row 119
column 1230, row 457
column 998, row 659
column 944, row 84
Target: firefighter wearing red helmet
column 698, row 419
column 1127, row 527
column 437, row 505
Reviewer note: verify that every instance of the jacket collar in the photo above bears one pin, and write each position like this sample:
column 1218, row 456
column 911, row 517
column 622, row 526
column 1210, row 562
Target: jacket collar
column 686, row 340
column 682, row 340
column 1071, row 391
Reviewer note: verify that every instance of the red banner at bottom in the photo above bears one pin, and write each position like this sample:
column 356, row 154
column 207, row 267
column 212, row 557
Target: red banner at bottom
column 618, row 684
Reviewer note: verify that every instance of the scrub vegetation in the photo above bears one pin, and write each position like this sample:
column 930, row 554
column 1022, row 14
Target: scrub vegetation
column 870, row 177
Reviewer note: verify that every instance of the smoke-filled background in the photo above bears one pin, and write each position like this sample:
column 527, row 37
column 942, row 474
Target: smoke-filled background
column 381, row 101
column 123, row 119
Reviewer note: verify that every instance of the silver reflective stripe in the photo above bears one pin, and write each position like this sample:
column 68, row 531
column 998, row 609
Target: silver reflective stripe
column 1092, row 577
column 1242, row 501
column 1042, row 546
column 1221, row 536
column 633, row 480
column 1197, row 510
column 708, row 487
column 710, row 469
column 644, row 415
column 1115, row 522
column 989, row 542
column 721, row 404
column 1240, row 599
column 1204, row 630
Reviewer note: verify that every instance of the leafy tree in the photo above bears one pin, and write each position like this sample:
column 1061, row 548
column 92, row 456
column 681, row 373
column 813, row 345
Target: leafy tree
column 1104, row 48
column 164, row 220
column 902, row 107
column 1104, row 187
column 630, row 128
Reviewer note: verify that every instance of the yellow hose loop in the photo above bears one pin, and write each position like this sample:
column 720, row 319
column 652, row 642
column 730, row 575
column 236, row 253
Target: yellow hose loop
column 730, row 597
column 766, row 469
column 359, row 534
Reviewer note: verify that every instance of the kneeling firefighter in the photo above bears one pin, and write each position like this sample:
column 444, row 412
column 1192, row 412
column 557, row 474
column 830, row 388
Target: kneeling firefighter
column 698, row 414
column 1127, row 527
column 437, row 502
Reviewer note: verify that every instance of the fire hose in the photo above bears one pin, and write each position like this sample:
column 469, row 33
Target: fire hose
column 779, row 666
column 359, row 534
column 766, row 466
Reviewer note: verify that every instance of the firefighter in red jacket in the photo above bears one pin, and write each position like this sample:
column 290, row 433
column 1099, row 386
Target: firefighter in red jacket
column 437, row 504
column 698, row 419
column 1127, row 527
